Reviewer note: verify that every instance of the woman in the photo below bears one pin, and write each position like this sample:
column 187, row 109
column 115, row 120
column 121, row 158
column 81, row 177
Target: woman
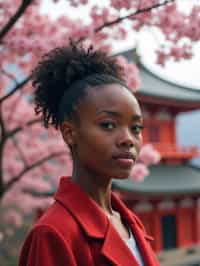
column 82, row 92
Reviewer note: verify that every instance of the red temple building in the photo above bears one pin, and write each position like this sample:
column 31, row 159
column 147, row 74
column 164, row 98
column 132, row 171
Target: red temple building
column 167, row 201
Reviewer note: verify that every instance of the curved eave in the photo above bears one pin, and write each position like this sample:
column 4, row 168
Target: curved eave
column 154, row 87
column 164, row 180
column 158, row 90
column 167, row 101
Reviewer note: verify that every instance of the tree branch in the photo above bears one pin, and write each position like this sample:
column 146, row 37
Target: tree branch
column 14, row 106
column 118, row 20
column 17, row 87
column 22, row 156
column 2, row 144
column 9, row 75
column 19, row 128
column 16, row 178
column 14, row 18
column 39, row 194
column 2, row 125
column 143, row 10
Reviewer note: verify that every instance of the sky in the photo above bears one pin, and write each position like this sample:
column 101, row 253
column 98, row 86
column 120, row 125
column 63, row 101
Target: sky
column 186, row 73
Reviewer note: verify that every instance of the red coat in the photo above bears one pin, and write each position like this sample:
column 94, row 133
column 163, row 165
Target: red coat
column 75, row 232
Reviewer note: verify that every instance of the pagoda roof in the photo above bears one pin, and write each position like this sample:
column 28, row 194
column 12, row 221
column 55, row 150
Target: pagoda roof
column 153, row 86
column 164, row 180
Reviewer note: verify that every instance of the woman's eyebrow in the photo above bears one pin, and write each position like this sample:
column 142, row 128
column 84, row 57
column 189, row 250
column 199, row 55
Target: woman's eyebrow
column 138, row 117
column 109, row 112
column 117, row 114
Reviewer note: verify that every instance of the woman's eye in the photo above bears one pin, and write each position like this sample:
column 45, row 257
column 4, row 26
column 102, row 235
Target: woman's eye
column 137, row 128
column 107, row 125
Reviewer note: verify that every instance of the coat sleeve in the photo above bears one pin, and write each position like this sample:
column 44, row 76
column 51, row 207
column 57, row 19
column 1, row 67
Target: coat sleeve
column 45, row 247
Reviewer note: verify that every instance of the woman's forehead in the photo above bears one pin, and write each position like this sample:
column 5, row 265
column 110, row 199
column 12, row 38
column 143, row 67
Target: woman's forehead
column 113, row 97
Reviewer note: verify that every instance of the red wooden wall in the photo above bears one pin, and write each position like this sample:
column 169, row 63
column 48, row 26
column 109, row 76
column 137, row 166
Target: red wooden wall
column 187, row 225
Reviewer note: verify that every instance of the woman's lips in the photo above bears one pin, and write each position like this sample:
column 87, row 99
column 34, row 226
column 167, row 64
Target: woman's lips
column 124, row 162
column 124, row 159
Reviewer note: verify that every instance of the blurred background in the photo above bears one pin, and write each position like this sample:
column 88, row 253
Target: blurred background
column 157, row 43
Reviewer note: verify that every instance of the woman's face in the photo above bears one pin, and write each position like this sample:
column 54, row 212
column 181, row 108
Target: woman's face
column 108, row 135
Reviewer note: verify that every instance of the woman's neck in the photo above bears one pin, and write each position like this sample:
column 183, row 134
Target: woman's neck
column 98, row 188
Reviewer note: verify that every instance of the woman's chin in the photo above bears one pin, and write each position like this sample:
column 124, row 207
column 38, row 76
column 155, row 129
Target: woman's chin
column 122, row 174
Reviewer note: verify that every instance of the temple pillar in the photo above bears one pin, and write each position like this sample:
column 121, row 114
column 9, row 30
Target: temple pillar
column 156, row 227
column 196, row 230
column 178, row 224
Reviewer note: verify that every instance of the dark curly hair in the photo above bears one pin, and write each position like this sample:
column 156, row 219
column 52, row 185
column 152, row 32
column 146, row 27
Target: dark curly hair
column 64, row 67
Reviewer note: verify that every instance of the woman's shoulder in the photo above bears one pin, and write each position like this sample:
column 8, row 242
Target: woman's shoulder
column 56, row 220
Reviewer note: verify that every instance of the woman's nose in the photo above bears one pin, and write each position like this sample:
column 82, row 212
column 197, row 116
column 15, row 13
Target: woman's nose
column 126, row 139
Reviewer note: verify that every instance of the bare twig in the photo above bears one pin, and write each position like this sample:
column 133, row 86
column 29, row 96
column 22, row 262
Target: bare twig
column 20, row 11
column 2, row 125
column 14, row 106
column 20, row 128
column 9, row 75
column 118, row 20
column 21, row 154
column 143, row 10
column 2, row 144
column 39, row 194
column 28, row 168
column 17, row 87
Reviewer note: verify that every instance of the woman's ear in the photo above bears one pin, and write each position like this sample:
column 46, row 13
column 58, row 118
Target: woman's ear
column 68, row 132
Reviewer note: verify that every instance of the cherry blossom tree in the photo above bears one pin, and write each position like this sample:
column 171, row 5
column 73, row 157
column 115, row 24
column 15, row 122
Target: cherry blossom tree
column 31, row 158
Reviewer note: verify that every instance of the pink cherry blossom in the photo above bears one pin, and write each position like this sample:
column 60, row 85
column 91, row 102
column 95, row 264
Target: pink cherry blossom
column 148, row 155
column 131, row 73
column 119, row 4
column 161, row 57
column 139, row 172
column 13, row 217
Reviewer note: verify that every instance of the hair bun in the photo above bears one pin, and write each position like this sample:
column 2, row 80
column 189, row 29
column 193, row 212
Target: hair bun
column 62, row 67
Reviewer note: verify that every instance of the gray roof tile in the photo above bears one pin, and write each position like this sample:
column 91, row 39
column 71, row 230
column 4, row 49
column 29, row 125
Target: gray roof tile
column 164, row 179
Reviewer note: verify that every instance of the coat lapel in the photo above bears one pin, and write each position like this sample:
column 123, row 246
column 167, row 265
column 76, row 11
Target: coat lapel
column 116, row 250
column 138, row 230
column 142, row 240
column 96, row 225
column 83, row 208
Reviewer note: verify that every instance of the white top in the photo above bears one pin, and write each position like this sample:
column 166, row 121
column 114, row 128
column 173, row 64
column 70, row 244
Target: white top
column 131, row 243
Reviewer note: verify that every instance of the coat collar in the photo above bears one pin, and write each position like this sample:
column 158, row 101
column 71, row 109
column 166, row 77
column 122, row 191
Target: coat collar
column 96, row 225
column 83, row 208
